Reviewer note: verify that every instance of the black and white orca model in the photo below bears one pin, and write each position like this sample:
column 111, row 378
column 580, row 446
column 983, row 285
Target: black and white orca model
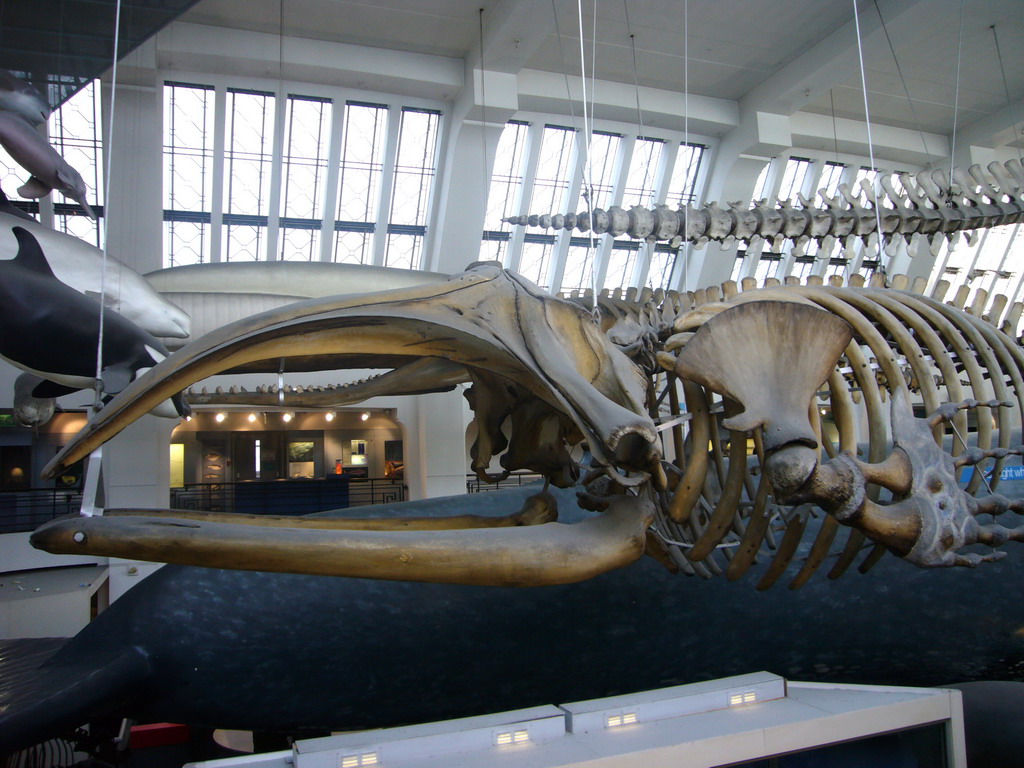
column 50, row 329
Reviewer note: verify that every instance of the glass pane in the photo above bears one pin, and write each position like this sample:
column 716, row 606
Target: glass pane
column 551, row 183
column 661, row 268
column 766, row 267
column 793, row 178
column 404, row 251
column 506, row 186
column 247, row 160
column 579, row 268
column 307, row 141
column 76, row 132
column 185, row 242
column 682, row 188
column 643, row 168
column 600, row 176
column 188, row 172
column 245, row 242
column 870, row 174
column 829, row 181
column 620, row 268
column 535, row 262
column 353, row 247
column 300, row 243
column 413, row 183
column 761, row 185
column 362, row 165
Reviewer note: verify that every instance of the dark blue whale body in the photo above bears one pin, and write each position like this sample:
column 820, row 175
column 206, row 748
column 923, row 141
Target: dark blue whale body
column 299, row 654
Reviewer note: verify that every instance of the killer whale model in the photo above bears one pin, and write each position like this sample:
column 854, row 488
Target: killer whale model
column 50, row 330
column 80, row 266
column 306, row 654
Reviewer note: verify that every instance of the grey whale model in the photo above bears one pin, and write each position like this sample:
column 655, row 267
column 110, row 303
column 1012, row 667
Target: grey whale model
column 303, row 654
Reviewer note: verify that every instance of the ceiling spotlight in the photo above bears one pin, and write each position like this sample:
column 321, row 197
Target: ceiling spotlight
column 286, row 416
column 220, row 417
column 252, row 418
column 189, row 417
column 329, row 416
column 365, row 416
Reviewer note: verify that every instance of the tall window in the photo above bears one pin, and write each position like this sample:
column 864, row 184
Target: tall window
column 831, row 175
column 682, row 190
column 683, row 185
column 600, row 173
column 864, row 174
column 247, row 168
column 188, row 173
column 761, row 189
column 306, row 142
column 76, row 132
column 414, row 174
column 283, row 177
column 550, row 191
column 505, row 191
column 793, row 178
column 362, row 167
column 579, row 262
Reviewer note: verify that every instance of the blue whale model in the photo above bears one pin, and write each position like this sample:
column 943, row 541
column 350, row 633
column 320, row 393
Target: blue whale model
column 303, row 654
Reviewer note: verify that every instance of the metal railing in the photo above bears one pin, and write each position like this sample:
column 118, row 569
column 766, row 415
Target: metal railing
column 475, row 485
column 26, row 510
column 288, row 497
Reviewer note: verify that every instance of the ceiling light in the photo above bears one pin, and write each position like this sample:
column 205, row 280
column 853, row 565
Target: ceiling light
column 252, row 418
column 365, row 416
column 287, row 416
column 329, row 416
column 220, row 417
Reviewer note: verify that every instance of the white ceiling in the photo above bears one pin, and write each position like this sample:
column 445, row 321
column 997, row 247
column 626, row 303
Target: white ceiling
column 791, row 51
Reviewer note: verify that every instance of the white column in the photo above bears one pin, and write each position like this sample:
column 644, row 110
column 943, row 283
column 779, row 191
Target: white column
column 434, row 435
column 137, row 472
column 134, row 196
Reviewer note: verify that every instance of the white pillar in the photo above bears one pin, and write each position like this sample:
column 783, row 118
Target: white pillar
column 434, row 434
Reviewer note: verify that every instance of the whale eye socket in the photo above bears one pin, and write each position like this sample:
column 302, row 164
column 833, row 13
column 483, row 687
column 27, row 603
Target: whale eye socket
column 79, row 537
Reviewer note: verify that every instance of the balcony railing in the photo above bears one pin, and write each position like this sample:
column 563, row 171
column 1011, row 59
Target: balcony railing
column 26, row 510
column 475, row 485
column 288, row 497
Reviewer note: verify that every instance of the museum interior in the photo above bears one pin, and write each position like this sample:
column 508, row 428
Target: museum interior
column 325, row 241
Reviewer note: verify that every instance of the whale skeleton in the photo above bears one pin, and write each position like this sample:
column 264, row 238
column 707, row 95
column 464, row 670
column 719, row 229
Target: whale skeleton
column 666, row 394
column 903, row 207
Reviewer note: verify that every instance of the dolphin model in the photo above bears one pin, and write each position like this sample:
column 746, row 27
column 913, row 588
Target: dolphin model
column 35, row 154
column 22, row 99
column 80, row 265
column 49, row 329
column 308, row 654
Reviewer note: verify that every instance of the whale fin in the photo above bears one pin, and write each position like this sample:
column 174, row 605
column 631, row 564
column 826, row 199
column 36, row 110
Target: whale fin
column 8, row 207
column 116, row 377
column 34, row 188
column 47, row 388
column 30, row 255
column 44, row 694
